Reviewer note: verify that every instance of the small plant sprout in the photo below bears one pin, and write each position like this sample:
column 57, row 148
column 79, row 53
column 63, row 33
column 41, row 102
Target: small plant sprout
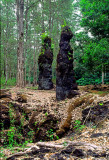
column 65, row 143
column 46, row 114
column 69, row 53
column 94, row 126
column 69, row 58
column 50, row 134
column 100, row 104
column 78, row 125
column 35, row 123
column 57, row 137
column 64, row 24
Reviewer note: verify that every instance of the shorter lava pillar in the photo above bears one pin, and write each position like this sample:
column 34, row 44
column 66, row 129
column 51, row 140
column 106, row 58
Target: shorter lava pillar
column 45, row 65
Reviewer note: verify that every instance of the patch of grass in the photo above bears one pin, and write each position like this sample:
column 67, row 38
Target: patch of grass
column 101, row 93
column 10, row 82
column 33, row 87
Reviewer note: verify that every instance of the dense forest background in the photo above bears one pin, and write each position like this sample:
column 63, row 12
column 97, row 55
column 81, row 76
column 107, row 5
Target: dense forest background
column 23, row 23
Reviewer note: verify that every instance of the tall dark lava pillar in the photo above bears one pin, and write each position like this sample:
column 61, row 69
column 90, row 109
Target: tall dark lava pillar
column 65, row 80
column 45, row 65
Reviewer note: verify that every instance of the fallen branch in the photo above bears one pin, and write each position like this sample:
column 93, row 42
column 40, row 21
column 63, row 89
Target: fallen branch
column 61, row 145
column 33, row 148
column 84, row 144
column 50, row 145
column 58, row 146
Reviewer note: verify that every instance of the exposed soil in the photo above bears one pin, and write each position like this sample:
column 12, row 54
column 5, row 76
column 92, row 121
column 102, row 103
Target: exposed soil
column 41, row 107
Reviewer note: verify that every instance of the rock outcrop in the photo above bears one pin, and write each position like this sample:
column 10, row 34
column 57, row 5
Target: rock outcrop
column 65, row 80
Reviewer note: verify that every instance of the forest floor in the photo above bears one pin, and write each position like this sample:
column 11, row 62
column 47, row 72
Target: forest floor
column 89, row 140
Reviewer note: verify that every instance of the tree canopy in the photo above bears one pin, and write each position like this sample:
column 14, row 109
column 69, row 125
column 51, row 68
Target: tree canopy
column 91, row 53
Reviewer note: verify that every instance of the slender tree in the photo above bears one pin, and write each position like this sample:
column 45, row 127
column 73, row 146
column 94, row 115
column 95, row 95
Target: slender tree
column 20, row 49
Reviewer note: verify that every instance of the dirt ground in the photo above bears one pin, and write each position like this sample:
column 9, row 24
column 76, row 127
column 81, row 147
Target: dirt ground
column 45, row 102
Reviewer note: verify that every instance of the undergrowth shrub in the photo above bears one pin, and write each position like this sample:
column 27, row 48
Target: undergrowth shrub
column 10, row 82
column 78, row 126
column 90, row 78
column 15, row 135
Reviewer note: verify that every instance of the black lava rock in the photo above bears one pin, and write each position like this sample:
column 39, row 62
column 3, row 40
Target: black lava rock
column 97, row 113
column 65, row 80
column 78, row 153
column 45, row 65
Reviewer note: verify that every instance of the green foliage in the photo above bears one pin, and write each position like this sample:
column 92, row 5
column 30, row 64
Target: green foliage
column 89, row 53
column 69, row 53
column 11, row 134
column 42, row 51
column 89, row 79
column 64, row 24
column 94, row 126
column 69, row 58
column 92, row 62
column 33, row 87
column 2, row 81
column 10, row 82
column 95, row 17
column 43, row 36
column 54, row 79
column 35, row 123
column 57, row 137
column 92, row 53
column 46, row 113
column 78, row 126
column 11, row 115
column 100, row 104
column 50, row 134
column 52, row 46
column 65, row 143
column 15, row 132
column 96, row 54
column 2, row 155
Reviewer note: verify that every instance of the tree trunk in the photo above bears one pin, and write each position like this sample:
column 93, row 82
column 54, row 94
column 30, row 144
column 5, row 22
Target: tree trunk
column 7, row 32
column 6, row 68
column 50, row 17
column 43, row 27
column 35, row 67
column 20, row 49
column 26, row 36
column 102, row 74
column 105, row 72
column 29, row 76
column 4, row 71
